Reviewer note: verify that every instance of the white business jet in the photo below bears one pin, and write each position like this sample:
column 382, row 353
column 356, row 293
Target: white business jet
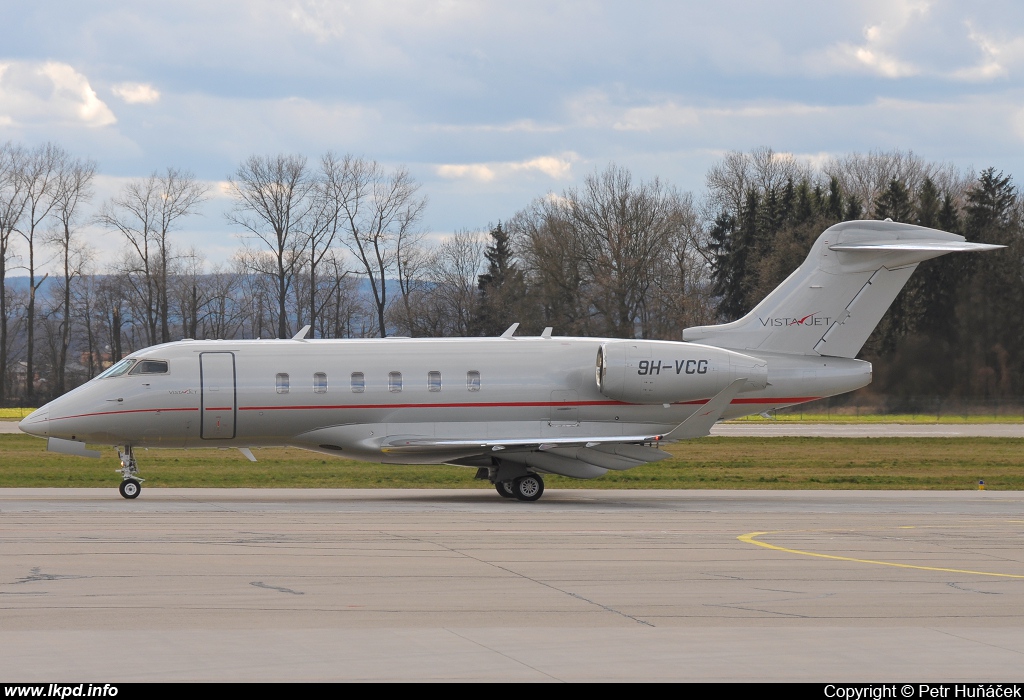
column 514, row 408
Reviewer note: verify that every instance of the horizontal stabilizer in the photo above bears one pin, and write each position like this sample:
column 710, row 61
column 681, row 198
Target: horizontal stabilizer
column 923, row 246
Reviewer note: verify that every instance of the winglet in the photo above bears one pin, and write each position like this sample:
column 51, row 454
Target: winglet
column 248, row 453
column 546, row 333
column 301, row 334
column 511, row 331
column 701, row 421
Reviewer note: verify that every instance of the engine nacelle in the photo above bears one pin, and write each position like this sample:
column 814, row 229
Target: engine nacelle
column 653, row 371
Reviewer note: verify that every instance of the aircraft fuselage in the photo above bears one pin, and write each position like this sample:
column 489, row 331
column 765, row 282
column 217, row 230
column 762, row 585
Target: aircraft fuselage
column 347, row 396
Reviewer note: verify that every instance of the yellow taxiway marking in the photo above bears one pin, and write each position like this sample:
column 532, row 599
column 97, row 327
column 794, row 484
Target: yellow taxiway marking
column 750, row 538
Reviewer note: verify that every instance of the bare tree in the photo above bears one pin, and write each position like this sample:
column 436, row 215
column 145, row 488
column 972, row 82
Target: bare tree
column 380, row 214
column 12, row 205
column 273, row 202
column 624, row 230
column 866, row 176
column 73, row 189
column 762, row 170
column 145, row 213
column 324, row 228
column 41, row 174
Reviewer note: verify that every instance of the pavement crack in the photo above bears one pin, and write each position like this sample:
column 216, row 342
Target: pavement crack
column 501, row 653
column 759, row 610
column 528, row 578
column 260, row 584
column 953, row 584
column 36, row 574
column 977, row 641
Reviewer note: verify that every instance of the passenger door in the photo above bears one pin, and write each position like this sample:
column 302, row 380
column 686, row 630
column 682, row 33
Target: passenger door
column 218, row 405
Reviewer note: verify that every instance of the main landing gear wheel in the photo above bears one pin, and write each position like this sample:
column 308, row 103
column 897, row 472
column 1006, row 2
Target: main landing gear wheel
column 528, row 488
column 130, row 488
column 504, row 489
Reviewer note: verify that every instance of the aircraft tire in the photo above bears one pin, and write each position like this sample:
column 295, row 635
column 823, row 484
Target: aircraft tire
column 504, row 489
column 528, row 488
column 130, row 488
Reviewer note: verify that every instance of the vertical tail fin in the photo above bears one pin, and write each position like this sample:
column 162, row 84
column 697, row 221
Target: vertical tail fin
column 832, row 302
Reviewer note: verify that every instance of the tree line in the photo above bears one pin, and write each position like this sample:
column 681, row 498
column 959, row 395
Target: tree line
column 339, row 243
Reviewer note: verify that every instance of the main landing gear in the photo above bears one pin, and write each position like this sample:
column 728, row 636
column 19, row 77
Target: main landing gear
column 525, row 488
column 131, row 483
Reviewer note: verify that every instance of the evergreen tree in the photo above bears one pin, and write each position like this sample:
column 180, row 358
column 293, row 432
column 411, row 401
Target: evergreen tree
column 834, row 201
column 894, row 203
column 728, row 267
column 928, row 204
column 992, row 337
column 854, row 210
column 502, row 288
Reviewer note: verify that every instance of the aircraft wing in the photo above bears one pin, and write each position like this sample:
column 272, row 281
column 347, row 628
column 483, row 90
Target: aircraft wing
column 697, row 425
column 422, row 444
column 581, row 458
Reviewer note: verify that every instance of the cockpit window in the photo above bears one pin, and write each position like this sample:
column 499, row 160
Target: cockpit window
column 118, row 369
column 150, row 367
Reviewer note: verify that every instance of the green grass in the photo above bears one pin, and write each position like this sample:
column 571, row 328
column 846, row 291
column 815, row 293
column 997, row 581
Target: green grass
column 709, row 463
column 903, row 418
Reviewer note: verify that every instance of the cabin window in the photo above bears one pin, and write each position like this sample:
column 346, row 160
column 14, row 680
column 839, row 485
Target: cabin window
column 150, row 367
column 473, row 380
column 358, row 383
column 433, row 381
column 320, row 383
column 395, row 382
column 118, row 369
column 282, row 383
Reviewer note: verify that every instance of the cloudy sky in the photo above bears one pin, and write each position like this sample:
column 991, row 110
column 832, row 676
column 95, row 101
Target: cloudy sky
column 490, row 104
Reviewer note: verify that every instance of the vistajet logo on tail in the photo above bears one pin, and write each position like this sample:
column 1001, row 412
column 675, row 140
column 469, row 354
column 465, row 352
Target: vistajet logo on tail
column 808, row 320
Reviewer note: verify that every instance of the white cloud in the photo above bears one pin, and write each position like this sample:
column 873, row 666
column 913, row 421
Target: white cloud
column 557, row 168
column 49, row 93
column 136, row 93
column 525, row 126
column 668, row 115
column 472, row 171
column 996, row 56
column 318, row 18
column 882, row 43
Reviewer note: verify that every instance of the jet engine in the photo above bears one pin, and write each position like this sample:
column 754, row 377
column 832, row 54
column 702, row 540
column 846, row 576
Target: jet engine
column 652, row 371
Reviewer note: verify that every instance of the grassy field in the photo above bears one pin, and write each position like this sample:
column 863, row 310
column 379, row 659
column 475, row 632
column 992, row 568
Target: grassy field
column 902, row 418
column 709, row 463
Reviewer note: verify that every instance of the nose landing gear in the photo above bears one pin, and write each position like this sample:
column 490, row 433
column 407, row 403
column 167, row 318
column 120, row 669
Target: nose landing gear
column 131, row 483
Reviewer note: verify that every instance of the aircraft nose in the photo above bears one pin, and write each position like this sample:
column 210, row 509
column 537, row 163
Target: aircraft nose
column 36, row 423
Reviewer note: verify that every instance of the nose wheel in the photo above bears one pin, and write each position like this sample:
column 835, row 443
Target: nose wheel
column 131, row 483
column 130, row 488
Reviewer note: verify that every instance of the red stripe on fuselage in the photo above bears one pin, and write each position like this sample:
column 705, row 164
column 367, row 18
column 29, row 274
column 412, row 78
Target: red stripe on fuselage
column 114, row 413
column 522, row 404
